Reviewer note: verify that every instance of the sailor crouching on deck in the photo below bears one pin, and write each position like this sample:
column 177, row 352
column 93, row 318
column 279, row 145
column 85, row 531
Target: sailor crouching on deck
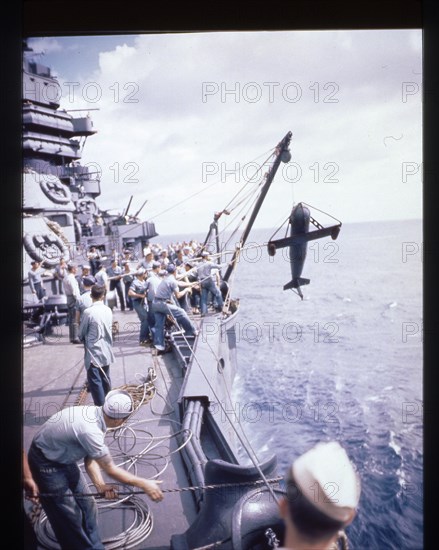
column 74, row 434
column 323, row 490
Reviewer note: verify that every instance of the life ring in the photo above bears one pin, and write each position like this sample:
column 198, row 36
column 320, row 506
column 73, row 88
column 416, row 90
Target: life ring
column 86, row 206
column 45, row 248
column 55, row 191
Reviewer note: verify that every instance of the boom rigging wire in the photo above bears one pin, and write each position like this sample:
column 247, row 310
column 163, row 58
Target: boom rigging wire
column 202, row 191
column 253, row 457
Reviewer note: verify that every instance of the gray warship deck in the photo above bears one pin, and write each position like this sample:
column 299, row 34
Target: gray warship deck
column 54, row 377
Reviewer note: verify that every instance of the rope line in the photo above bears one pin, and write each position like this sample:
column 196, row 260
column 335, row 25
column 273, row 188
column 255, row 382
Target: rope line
column 199, row 192
column 256, row 482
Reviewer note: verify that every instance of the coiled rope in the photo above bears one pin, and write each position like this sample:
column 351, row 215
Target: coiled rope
column 140, row 528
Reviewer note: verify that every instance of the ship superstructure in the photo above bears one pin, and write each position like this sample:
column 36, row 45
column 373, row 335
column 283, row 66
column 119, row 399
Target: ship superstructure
column 61, row 217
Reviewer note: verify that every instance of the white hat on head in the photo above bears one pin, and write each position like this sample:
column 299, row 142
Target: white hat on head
column 327, row 478
column 118, row 404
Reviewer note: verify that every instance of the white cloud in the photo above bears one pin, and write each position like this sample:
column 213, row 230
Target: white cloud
column 45, row 45
column 340, row 93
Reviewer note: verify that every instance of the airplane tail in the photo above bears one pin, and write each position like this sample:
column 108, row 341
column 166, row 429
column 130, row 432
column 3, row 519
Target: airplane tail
column 296, row 283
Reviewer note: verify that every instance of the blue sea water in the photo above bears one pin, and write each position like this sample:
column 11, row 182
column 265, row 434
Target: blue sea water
column 345, row 363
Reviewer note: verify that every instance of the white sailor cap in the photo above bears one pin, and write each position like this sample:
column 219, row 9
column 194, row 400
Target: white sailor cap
column 118, row 404
column 338, row 484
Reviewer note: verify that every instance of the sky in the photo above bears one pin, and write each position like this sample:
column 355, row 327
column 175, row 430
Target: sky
column 182, row 119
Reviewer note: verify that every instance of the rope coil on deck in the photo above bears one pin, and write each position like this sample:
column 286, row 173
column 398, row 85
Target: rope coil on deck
column 140, row 528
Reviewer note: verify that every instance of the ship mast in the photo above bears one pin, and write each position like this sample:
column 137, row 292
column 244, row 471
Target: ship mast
column 213, row 228
column 282, row 155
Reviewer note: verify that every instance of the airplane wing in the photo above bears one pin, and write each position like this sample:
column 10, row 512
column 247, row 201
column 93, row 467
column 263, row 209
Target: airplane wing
column 331, row 231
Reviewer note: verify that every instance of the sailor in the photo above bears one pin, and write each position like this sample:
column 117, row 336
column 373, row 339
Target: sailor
column 94, row 257
column 95, row 331
column 85, row 272
column 35, row 280
column 207, row 272
column 85, row 300
column 187, row 253
column 71, row 290
column 164, row 304
column 59, row 273
column 146, row 262
column 127, row 279
column 102, row 276
column 137, row 293
column 128, row 258
column 191, row 276
column 74, row 434
column 152, row 283
column 181, row 278
column 323, row 491
column 179, row 258
column 115, row 275
column 163, row 257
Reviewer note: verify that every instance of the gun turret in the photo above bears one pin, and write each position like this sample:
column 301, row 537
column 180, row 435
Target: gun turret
column 138, row 211
column 128, row 207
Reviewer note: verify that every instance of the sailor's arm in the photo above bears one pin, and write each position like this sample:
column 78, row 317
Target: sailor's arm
column 82, row 331
column 29, row 484
column 92, row 467
column 184, row 282
column 133, row 294
column 180, row 293
column 75, row 289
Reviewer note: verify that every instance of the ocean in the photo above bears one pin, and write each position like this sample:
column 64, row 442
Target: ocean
column 346, row 363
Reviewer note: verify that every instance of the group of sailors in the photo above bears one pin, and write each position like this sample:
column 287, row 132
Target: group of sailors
column 166, row 283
